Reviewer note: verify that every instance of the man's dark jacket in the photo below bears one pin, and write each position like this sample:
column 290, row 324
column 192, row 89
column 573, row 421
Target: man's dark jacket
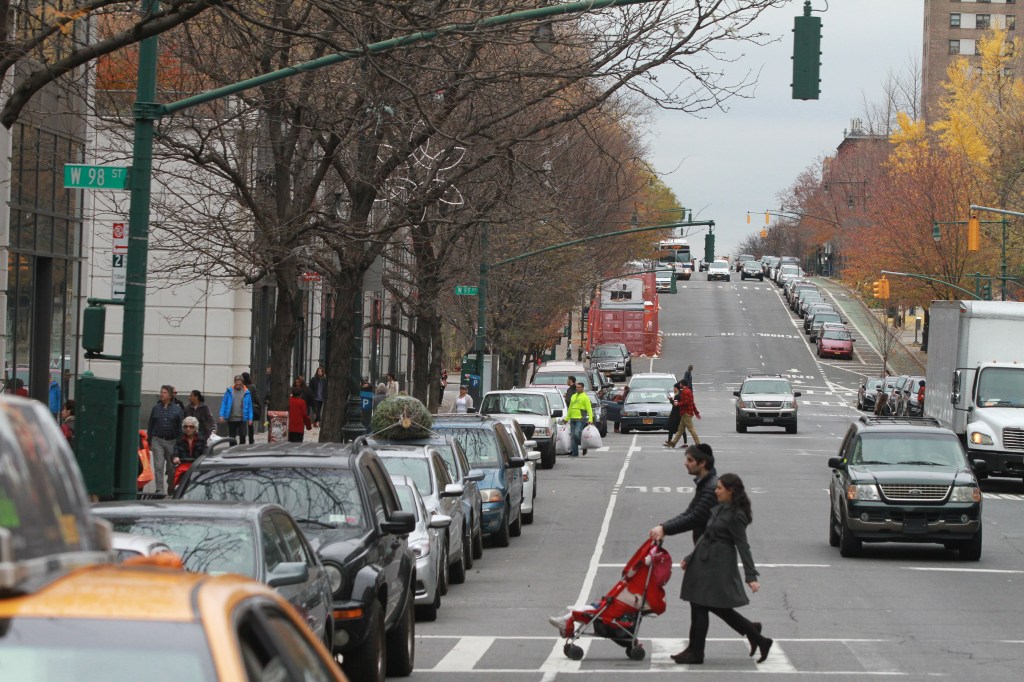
column 696, row 516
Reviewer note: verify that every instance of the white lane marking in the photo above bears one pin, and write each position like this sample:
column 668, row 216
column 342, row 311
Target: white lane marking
column 466, row 653
column 938, row 569
column 558, row 662
column 740, row 564
column 588, row 581
column 869, row 657
column 777, row 661
column 661, row 654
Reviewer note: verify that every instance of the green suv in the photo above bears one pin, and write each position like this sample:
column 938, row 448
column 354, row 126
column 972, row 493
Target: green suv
column 904, row 479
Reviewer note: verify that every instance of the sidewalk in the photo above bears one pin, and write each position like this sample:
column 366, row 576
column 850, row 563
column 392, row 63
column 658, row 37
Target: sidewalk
column 907, row 357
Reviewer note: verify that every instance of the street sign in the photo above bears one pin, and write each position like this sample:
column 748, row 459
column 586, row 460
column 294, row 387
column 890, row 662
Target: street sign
column 465, row 291
column 119, row 238
column 81, row 176
column 118, row 275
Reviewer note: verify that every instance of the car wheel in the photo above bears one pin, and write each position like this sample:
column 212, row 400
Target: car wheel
column 442, row 580
column 623, row 429
column 833, row 534
column 467, row 549
column 849, row 546
column 527, row 518
column 547, row 456
column 428, row 612
column 970, row 550
column 500, row 537
column 791, row 428
column 516, row 529
column 401, row 651
column 478, row 545
column 368, row 661
column 741, row 428
column 457, row 572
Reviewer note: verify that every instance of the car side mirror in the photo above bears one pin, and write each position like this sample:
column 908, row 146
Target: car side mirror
column 452, row 490
column 556, row 413
column 471, row 410
column 439, row 521
column 836, row 463
column 516, row 462
column 533, row 456
column 475, row 475
column 400, row 523
column 288, row 573
column 796, row 394
column 954, row 397
column 530, row 445
column 979, row 466
column 736, row 393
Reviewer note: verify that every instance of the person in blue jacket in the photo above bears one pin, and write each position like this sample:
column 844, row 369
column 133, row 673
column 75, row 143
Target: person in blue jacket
column 55, row 405
column 236, row 410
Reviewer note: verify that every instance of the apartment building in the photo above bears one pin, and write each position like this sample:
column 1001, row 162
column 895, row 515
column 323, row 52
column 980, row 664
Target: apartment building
column 952, row 29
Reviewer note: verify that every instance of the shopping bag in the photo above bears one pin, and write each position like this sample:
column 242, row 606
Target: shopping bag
column 563, row 439
column 591, row 438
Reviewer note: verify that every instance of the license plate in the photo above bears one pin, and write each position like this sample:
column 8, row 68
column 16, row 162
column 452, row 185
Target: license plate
column 768, row 420
column 912, row 526
column 648, row 421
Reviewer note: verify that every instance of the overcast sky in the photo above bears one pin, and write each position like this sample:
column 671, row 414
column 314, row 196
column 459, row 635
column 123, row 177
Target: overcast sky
column 726, row 164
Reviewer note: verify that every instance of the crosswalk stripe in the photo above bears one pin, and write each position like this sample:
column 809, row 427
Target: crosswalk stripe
column 558, row 662
column 466, row 653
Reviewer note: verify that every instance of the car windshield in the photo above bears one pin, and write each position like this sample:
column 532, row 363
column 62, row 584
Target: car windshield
column 560, row 378
column 1001, row 387
column 872, row 384
column 646, row 396
column 638, row 382
column 416, row 468
column 606, row 353
column 214, row 546
column 890, row 382
column 908, row 449
column 406, row 499
column 481, row 445
column 836, row 335
column 822, row 318
column 767, row 386
column 318, row 497
column 104, row 650
column 514, row 403
column 789, row 269
column 720, row 264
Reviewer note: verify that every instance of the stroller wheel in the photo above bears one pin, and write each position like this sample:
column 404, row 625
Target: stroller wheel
column 636, row 653
column 574, row 652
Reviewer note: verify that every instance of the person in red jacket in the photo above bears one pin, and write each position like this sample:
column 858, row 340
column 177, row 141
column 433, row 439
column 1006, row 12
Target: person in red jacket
column 298, row 416
column 687, row 411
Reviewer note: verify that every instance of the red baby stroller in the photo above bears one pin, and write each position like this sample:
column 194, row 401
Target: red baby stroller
column 617, row 616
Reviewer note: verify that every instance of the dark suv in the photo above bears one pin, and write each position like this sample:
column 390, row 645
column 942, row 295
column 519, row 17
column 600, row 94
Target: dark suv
column 343, row 499
column 900, row 479
column 612, row 359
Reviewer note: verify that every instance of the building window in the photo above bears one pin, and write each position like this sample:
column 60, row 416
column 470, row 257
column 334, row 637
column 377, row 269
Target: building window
column 1011, row 22
column 954, row 20
column 954, row 47
column 983, row 21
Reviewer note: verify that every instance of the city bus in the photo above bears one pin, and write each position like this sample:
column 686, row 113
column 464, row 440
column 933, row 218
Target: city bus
column 677, row 253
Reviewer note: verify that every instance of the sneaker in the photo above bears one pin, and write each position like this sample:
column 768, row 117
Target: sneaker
column 563, row 624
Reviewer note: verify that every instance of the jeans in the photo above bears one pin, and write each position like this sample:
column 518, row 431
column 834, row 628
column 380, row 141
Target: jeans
column 238, row 431
column 318, row 407
column 700, row 621
column 577, row 426
column 162, row 451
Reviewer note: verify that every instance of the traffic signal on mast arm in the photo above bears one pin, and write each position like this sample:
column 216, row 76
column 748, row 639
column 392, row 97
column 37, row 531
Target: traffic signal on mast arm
column 880, row 288
column 973, row 233
column 885, row 288
column 806, row 55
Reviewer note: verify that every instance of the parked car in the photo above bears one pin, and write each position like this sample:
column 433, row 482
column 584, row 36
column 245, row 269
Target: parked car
column 613, row 407
column 893, row 393
column 819, row 319
column 260, row 541
column 766, row 400
column 905, row 395
column 904, row 480
column 786, row 273
column 835, row 341
column 526, row 450
column 532, row 410
column 813, row 310
column 600, row 415
column 489, row 447
column 610, row 359
column 804, row 299
column 343, row 499
column 866, row 393
column 424, row 465
column 427, row 542
column 645, row 409
column 751, row 269
column 719, row 270
column 557, row 373
column 911, row 406
column 130, row 545
column 458, row 468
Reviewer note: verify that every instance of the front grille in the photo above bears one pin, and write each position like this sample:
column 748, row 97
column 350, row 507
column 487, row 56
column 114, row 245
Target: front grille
column 772, row 404
column 648, row 414
column 914, row 493
column 767, row 415
column 1013, row 439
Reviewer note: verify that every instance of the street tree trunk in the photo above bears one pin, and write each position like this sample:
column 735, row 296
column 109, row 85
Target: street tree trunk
column 339, row 379
column 282, row 335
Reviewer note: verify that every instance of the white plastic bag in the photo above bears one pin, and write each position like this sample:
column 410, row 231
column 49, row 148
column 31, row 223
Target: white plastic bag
column 591, row 438
column 563, row 439
column 213, row 439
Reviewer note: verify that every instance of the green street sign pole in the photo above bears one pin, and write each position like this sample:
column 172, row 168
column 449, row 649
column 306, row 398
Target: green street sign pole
column 146, row 112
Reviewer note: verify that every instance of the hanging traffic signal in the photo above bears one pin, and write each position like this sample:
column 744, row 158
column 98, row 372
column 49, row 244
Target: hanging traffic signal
column 885, row 287
column 766, row 218
column 973, row 233
column 986, row 289
column 876, row 288
column 748, row 218
column 806, row 55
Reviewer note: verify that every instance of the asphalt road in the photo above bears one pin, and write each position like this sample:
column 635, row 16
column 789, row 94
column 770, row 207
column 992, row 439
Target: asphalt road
column 910, row 611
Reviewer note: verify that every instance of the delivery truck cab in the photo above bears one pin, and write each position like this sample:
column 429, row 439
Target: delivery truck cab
column 975, row 379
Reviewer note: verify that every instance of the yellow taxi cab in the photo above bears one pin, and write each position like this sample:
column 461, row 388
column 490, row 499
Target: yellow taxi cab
column 67, row 612
column 131, row 622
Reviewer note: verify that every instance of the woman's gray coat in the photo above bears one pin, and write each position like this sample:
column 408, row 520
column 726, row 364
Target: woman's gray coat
column 712, row 577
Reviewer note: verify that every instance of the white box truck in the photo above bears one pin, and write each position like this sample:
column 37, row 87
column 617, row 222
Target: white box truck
column 975, row 379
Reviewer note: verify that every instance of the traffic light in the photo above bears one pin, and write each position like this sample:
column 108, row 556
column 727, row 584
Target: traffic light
column 767, row 218
column 885, row 288
column 806, row 55
column 986, row 289
column 973, row 233
column 876, row 288
column 764, row 234
column 748, row 219
column 709, row 247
